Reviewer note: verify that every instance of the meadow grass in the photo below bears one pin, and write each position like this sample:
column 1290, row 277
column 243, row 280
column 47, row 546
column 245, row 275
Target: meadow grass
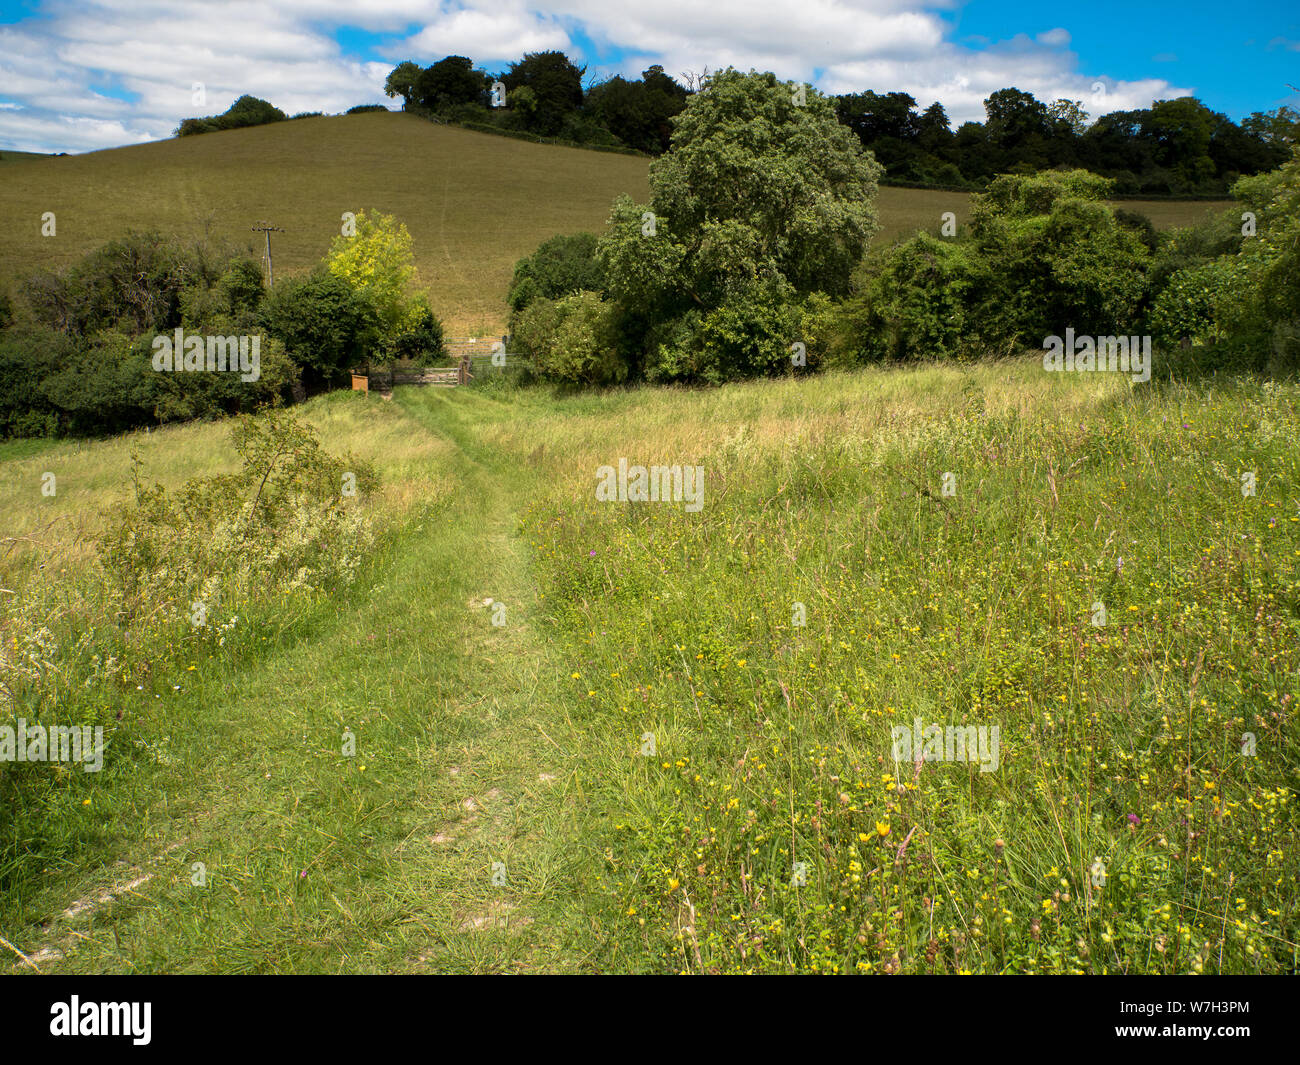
column 1123, row 829
column 474, row 203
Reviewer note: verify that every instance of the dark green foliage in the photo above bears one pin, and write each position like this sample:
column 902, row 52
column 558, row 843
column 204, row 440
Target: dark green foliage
column 325, row 325
column 761, row 202
column 401, row 82
column 555, row 84
column 55, row 385
column 82, row 361
column 1140, row 226
column 574, row 339
column 365, row 109
column 559, row 267
column 1044, row 254
column 421, row 339
column 1234, row 293
column 545, row 102
column 918, row 299
column 246, row 111
column 242, row 285
column 450, row 82
column 638, row 113
column 29, row 357
column 134, row 282
column 1175, row 147
column 85, row 349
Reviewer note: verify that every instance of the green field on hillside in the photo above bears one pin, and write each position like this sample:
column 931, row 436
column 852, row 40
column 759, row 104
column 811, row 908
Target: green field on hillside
column 473, row 202
column 601, row 736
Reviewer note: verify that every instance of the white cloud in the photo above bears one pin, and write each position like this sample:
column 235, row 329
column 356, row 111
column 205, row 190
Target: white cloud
column 68, row 69
column 494, row 34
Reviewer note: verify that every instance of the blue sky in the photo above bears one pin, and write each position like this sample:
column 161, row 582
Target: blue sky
column 77, row 75
column 1235, row 57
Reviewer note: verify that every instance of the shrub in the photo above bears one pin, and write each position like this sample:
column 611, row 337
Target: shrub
column 747, row 335
column 919, row 299
column 81, row 363
column 1214, row 304
column 326, row 325
column 133, row 282
column 242, row 286
column 574, row 340
column 421, row 339
column 280, row 522
column 1140, row 225
column 559, row 267
column 27, row 357
column 1241, row 307
column 1043, row 253
column 1191, row 245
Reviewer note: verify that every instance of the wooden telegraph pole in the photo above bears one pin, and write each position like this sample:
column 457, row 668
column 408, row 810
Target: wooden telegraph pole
column 268, row 229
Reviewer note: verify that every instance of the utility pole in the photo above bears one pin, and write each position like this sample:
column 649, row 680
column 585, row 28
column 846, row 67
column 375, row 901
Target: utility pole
column 268, row 229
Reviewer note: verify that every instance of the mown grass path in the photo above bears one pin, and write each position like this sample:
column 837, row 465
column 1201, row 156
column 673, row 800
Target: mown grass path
column 384, row 861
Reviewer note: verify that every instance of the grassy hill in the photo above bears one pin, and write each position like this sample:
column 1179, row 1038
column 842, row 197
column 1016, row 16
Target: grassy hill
column 473, row 202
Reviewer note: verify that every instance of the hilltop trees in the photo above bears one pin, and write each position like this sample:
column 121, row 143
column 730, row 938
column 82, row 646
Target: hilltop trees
column 246, row 111
column 639, row 113
column 1175, row 146
column 401, row 82
column 450, row 82
column 555, row 85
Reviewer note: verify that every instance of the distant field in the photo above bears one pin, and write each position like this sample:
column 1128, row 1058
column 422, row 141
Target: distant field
column 474, row 202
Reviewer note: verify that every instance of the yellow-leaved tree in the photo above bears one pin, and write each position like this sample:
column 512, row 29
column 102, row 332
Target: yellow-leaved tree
column 374, row 255
column 377, row 259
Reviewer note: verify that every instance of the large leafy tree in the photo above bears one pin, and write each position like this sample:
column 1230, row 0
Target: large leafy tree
column 450, row 82
column 1179, row 133
column 763, row 199
column 379, row 262
column 554, row 81
column 401, row 82
column 325, row 324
